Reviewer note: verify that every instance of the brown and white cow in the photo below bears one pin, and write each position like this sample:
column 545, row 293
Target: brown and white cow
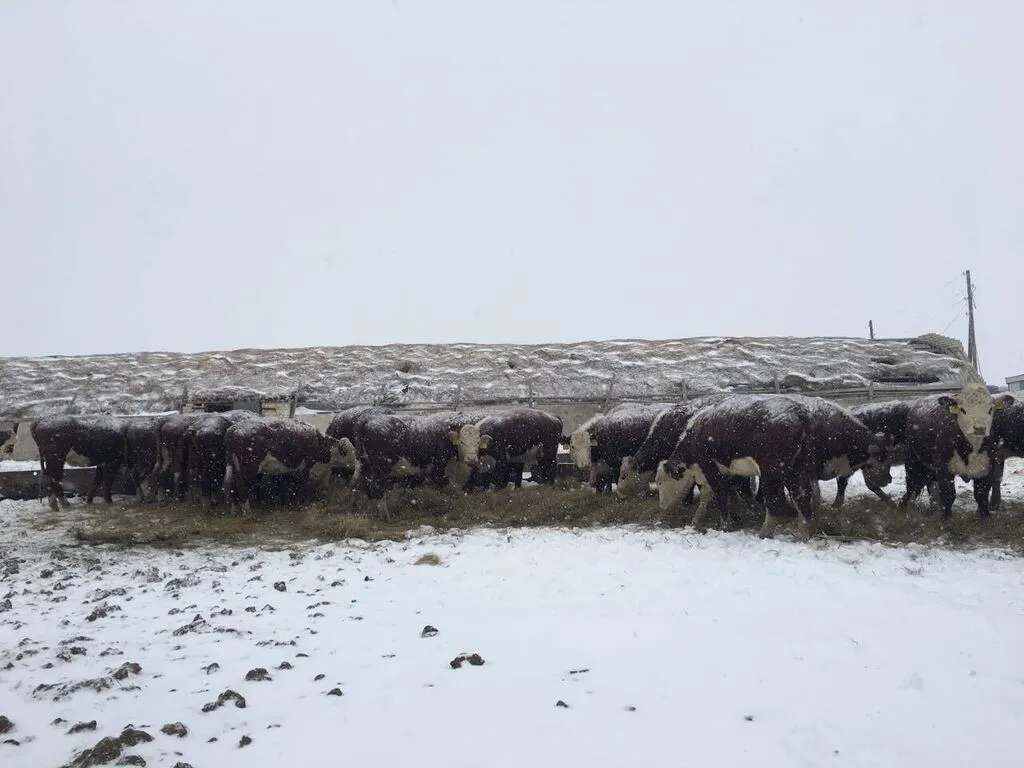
column 950, row 436
column 82, row 441
column 406, row 449
column 635, row 470
column 789, row 442
column 1008, row 433
column 515, row 440
column 748, row 436
column 172, row 462
column 890, row 419
column 142, row 454
column 841, row 444
column 204, row 442
column 601, row 443
column 343, row 426
column 275, row 446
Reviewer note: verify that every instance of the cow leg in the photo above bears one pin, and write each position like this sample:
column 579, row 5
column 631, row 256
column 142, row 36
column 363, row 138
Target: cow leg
column 815, row 488
column 715, row 491
column 982, row 488
column 917, row 479
column 996, row 481
column 947, row 495
column 773, row 493
column 382, row 508
column 97, row 478
column 140, row 496
column 500, row 474
column 806, row 496
column 55, row 475
column 687, row 498
column 516, row 474
column 840, row 499
column 109, row 475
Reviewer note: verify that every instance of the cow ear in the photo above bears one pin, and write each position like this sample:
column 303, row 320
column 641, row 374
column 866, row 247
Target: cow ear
column 949, row 403
column 1005, row 400
column 453, row 436
column 485, row 441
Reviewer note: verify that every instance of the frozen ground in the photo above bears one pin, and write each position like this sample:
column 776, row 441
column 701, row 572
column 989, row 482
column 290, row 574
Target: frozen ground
column 668, row 648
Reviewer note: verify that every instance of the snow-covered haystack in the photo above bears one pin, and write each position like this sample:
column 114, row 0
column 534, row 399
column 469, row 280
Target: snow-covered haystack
column 333, row 377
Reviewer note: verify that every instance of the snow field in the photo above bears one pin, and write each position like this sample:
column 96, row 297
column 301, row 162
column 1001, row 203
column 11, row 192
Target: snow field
column 667, row 646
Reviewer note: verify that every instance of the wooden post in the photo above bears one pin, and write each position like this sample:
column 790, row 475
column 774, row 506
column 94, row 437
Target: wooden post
column 871, row 329
column 972, row 342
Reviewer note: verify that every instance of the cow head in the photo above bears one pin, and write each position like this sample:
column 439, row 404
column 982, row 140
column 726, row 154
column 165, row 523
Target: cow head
column 973, row 407
column 675, row 483
column 629, row 477
column 877, row 468
column 337, row 452
column 580, row 443
column 470, row 443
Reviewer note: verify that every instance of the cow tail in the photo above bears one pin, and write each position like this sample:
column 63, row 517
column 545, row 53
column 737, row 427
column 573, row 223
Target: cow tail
column 42, row 474
column 229, row 479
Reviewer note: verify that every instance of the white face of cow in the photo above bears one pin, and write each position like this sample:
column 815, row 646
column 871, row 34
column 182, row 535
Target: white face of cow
column 629, row 478
column 877, row 474
column 343, row 454
column 671, row 491
column 580, row 443
column 470, row 443
column 973, row 407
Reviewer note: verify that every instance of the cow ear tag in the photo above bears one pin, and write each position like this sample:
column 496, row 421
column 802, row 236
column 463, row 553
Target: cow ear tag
column 593, row 441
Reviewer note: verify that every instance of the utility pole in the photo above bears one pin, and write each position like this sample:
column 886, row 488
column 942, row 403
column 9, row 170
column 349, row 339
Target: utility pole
column 871, row 329
column 972, row 342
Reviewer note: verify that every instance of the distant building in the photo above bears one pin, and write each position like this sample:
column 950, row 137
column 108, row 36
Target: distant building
column 1015, row 383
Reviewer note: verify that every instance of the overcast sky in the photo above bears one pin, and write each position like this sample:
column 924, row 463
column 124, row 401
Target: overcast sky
column 197, row 175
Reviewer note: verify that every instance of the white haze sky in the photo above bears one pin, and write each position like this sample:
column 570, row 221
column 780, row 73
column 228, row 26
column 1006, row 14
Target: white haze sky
column 197, row 175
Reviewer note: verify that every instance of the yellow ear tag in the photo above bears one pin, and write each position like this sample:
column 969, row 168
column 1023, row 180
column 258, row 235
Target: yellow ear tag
column 954, row 409
column 593, row 441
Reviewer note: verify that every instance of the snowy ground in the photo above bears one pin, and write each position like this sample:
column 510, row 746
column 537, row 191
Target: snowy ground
column 668, row 648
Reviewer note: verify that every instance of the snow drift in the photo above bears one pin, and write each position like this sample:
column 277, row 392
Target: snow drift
column 333, row 377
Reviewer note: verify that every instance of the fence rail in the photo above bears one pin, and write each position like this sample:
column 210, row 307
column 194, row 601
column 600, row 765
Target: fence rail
column 844, row 395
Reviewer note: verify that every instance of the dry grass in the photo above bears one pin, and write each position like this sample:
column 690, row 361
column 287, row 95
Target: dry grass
column 347, row 515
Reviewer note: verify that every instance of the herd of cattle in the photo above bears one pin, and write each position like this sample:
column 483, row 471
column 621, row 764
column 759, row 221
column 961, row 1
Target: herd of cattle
column 718, row 444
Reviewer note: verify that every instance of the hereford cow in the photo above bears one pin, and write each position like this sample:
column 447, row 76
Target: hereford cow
column 890, row 419
column 411, row 449
column 515, row 440
column 172, row 461
column 601, row 443
column 950, row 436
column 275, row 446
column 1008, row 431
column 342, row 426
column 82, row 441
column 204, row 442
column 142, row 454
column 788, row 441
column 658, row 444
column 842, row 444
